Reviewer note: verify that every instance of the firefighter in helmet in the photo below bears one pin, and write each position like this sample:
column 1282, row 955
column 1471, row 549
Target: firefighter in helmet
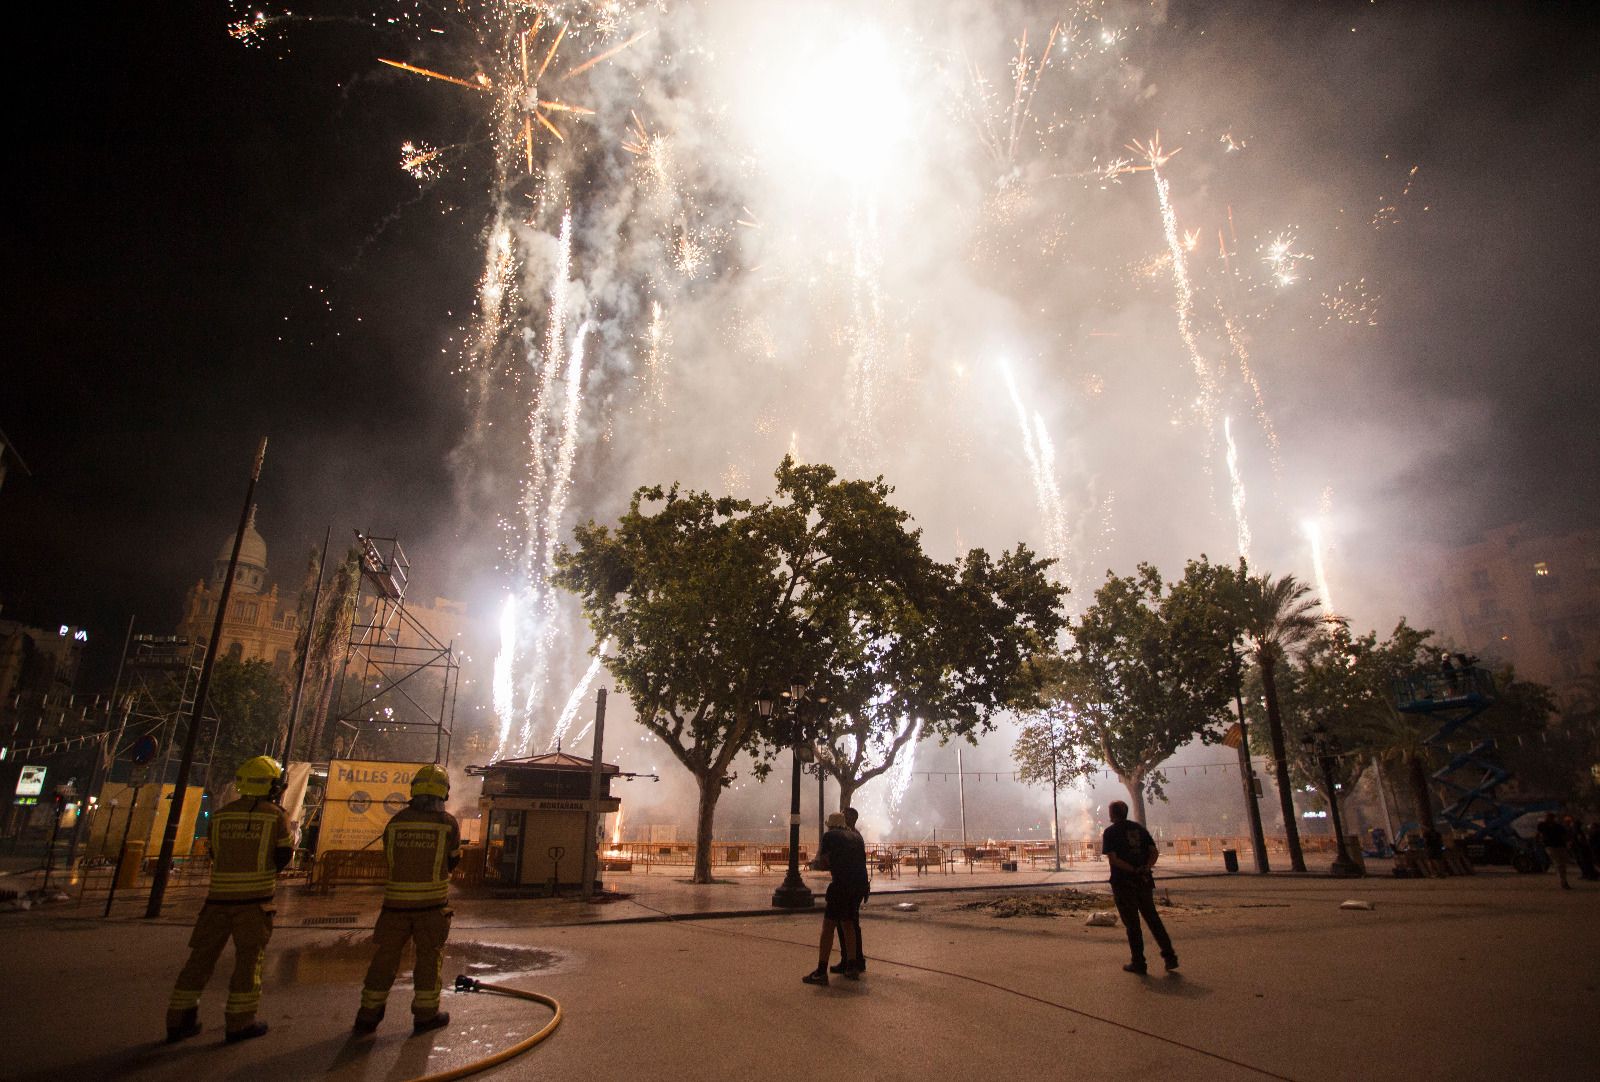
column 423, row 845
column 250, row 845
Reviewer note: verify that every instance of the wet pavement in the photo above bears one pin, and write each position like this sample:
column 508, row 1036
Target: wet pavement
column 630, row 897
column 1487, row 977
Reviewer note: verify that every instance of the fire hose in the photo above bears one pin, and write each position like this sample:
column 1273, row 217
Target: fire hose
column 467, row 984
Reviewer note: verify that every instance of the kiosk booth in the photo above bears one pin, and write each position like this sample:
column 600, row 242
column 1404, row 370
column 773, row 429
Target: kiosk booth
column 536, row 810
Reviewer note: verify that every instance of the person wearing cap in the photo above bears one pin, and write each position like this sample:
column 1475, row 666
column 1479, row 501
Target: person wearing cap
column 250, row 845
column 422, row 845
column 844, row 856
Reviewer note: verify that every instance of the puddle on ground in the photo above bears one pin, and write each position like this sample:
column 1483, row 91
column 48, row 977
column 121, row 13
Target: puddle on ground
column 345, row 961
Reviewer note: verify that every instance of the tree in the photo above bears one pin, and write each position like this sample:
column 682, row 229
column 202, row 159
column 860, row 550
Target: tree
column 710, row 601
column 944, row 664
column 1277, row 617
column 1147, row 672
column 329, row 643
column 248, row 701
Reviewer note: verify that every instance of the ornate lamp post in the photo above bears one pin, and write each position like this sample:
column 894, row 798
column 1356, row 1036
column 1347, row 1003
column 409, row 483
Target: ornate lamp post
column 793, row 892
column 1325, row 746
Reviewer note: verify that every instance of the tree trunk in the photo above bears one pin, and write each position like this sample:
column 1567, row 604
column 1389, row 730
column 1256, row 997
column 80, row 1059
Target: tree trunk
column 847, row 792
column 1135, row 787
column 1280, row 762
column 710, row 791
column 1418, row 774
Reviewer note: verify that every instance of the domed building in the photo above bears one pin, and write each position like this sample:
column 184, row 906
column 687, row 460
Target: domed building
column 258, row 626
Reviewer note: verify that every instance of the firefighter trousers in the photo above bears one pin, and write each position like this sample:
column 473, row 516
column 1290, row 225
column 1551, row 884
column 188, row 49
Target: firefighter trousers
column 427, row 930
column 249, row 925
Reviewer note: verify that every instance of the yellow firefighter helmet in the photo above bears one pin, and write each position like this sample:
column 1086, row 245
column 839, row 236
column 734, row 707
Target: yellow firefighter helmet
column 430, row 780
column 256, row 777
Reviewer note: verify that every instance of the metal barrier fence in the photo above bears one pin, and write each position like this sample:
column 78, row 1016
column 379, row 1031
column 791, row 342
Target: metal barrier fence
column 93, row 877
column 893, row 857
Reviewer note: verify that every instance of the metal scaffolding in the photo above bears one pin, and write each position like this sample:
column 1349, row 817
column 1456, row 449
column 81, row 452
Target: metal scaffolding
column 395, row 660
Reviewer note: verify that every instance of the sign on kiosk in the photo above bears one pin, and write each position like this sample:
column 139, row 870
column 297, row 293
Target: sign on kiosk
column 30, row 782
column 362, row 795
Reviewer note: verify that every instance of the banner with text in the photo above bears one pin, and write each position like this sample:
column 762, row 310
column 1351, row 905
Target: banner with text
column 362, row 795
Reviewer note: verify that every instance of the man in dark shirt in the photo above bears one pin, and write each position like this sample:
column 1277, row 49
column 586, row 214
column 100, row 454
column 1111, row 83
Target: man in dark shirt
column 1553, row 836
column 859, row 962
column 1132, row 853
column 844, row 855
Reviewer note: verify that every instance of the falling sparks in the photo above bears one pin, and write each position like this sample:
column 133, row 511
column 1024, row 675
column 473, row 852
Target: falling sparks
column 1283, row 260
column 656, row 357
column 1236, row 482
column 1041, row 455
column 904, row 768
column 1350, row 304
column 420, row 161
column 1155, row 158
column 619, row 213
column 1313, row 532
column 1389, row 212
column 576, row 699
column 504, row 687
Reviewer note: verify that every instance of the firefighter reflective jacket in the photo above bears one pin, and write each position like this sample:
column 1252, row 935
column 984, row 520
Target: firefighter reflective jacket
column 421, row 847
column 244, row 837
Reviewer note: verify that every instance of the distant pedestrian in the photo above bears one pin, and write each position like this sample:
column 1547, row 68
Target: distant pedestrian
column 1132, row 853
column 844, row 856
column 422, row 845
column 1578, row 843
column 1553, row 836
column 250, row 845
column 859, row 963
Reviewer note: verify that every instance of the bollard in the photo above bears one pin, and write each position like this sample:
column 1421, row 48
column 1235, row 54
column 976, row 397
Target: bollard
column 129, row 866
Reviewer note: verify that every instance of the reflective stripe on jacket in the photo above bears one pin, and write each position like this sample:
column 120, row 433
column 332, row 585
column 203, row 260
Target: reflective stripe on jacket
column 418, row 845
column 244, row 834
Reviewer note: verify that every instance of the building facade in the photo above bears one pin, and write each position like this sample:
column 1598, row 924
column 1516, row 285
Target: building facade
column 1522, row 597
column 259, row 626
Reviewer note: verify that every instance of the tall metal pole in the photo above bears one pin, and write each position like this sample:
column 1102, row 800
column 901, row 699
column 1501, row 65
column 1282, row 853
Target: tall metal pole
column 1258, row 839
column 305, row 657
column 169, row 836
column 822, row 800
column 1383, row 799
column 122, row 852
column 793, row 892
column 1055, row 809
column 591, row 818
column 961, row 789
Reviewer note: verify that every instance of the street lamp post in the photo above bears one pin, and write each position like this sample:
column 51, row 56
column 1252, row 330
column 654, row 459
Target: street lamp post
column 793, row 892
column 1324, row 746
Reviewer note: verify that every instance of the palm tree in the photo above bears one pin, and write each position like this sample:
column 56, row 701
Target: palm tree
column 1277, row 617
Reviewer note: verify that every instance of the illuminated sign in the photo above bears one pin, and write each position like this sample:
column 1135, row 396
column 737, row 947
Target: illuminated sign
column 30, row 782
column 77, row 634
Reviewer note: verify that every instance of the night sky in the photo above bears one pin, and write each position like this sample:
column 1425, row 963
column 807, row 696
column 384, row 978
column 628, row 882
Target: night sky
column 210, row 244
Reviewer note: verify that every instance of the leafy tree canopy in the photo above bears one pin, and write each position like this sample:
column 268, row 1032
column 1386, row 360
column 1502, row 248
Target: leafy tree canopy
column 1148, row 670
column 709, row 602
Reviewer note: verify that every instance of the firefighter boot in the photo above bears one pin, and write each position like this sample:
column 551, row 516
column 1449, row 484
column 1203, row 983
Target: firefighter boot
column 436, row 1020
column 367, row 1020
column 181, row 1025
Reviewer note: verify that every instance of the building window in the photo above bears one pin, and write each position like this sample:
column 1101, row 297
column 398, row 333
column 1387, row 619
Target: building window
column 236, row 651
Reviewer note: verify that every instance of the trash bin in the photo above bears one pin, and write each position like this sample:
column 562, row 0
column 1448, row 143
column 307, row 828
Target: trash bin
column 128, row 870
column 1230, row 860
